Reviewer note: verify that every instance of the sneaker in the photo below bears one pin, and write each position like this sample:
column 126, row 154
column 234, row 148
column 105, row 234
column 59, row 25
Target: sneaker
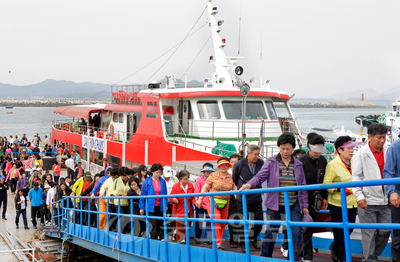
column 197, row 241
column 220, row 247
column 284, row 252
column 243, row 247
column 4, row 218
column 26, row 227
column 34, row 227
column 48, row 223
column 183, row 242
column 256, row 245
column 208, row 242
column 42, row 224
column 234, row 245
column 17, row 227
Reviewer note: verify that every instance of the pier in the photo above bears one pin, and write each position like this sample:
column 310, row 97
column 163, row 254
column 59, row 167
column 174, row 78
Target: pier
column 47, row 102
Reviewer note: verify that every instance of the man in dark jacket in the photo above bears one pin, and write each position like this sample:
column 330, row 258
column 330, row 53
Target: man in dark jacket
column 243, row 171
column 3, row 195
column 314, row 170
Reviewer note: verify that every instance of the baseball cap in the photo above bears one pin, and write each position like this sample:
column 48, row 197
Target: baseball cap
column 88, row 175
column 168, row 171
column 3, row 177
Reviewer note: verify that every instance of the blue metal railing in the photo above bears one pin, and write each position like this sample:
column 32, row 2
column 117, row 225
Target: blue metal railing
column 345, row 225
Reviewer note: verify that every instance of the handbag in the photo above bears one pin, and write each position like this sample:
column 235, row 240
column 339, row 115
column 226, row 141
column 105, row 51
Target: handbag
column 220, row 203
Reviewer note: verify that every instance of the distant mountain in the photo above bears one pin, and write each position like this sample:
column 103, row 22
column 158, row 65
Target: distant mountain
column 66, row 89
column 55, row 89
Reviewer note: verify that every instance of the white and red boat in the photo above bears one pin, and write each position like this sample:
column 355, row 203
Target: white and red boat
column 168, row 124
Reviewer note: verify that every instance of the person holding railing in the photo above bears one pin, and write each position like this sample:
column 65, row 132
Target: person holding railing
column 102, row 204
column 314, row 164
column 105, row 189
column 178, row 204
column 282, row 170
column 368, row 164
column 121, row 188
column 243, row 172
column 92, row 206
column 232, row 213
column 153, row 186
column 201, row 211
column 79, row 186
column 64, row 191
column 139, row 225
column 392, row 170
column 217, row 182
column 340, row 170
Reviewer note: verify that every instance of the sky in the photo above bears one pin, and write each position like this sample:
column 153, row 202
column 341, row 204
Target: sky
column 312, row 48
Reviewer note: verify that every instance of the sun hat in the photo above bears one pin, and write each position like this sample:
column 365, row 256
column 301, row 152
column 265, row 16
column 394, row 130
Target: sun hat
column 168, row 171
column 350, row 144
column 319, row 148
column 223, row 161
column 46, row 186
column 207, row 168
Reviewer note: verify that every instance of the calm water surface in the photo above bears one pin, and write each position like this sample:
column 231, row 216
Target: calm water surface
column 31, row 120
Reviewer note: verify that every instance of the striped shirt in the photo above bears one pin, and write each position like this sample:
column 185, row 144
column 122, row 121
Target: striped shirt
column 286, row 178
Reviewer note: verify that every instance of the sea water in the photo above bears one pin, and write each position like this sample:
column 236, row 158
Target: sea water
column 32, row 120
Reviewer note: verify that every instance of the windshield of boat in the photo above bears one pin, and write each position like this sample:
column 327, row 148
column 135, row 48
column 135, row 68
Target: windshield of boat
column 282, row 110
column 271, row 110
column 208, row 110
column 254, row 110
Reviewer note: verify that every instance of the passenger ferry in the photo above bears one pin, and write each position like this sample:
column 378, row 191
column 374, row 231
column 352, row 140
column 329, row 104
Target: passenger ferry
column 171, row 124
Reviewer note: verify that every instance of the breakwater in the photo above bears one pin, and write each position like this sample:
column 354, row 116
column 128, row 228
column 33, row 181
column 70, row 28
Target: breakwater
column 42, row 102
column 335, row 104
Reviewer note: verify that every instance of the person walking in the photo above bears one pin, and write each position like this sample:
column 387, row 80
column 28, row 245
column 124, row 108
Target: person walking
column 243, row 172
column 201, row 211
column 314, row 165
column 3, row 196
column 106, row 189
column 83, row 203
column 13, row 176
column 70, row 164
column 139, row 224
column 121, row 188
column 56, row 171
column 102, row 203
column 23, row 183
column 155, row 185
column 282, row 170
column 178, row 207
column 372, row 202
column 340, row 170
column 219, row 181
column 392, row 170
column 36, row 198
column 20, row 207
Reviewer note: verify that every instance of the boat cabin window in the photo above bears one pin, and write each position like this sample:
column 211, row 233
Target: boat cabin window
column 208, row 110
column 151, row 110
column 395, row 108
column 114, row 161
column 74, row 147
column 98, row 158
column 271, row 110
column 105, row 119
column 282, row 110
column 84, row 154
column 115, row 117
column 254, row 110
column 121, row 117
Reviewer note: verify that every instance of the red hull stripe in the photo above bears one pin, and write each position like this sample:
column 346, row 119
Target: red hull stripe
column 124, row 108
column 81, row 112
column 220, row 93
column 284, row 96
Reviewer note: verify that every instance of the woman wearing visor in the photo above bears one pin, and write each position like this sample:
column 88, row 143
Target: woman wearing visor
column 339, row 170
column 217, row 182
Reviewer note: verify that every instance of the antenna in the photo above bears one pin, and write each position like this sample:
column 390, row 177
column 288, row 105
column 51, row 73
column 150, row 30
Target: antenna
column 240, row 23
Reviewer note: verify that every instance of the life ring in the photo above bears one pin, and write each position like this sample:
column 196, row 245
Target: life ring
column 285, row 123
column 112, row 129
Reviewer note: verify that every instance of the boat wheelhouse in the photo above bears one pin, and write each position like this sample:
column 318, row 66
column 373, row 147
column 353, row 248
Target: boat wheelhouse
column 168, row 123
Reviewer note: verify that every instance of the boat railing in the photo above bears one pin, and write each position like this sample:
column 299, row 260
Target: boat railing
column 161, row 250
column 75, row 127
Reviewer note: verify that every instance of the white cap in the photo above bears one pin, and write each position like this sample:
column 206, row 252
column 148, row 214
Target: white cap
column 168, row 171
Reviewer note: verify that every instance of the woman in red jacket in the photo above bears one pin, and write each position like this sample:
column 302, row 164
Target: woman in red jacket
column 178, row 204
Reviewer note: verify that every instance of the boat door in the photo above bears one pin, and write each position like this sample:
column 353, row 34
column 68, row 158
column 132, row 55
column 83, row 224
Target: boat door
column 130, row 126
column 184, row 115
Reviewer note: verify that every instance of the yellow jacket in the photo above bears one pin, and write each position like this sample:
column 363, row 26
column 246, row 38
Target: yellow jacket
column 107, row 187
column 77, row 188
column 337, row 172
column 120, row 187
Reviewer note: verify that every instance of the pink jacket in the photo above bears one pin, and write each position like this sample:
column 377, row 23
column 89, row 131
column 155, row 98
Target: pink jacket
column 17, row 174
column 198, row 187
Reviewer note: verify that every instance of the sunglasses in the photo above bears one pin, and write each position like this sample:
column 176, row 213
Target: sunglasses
column 144, row 170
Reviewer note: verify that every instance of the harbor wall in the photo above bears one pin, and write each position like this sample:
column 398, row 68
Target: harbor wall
column 335, row 104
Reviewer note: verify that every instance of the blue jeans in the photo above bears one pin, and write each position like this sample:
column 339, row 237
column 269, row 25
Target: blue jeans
column 198, row 229
column 268, row 243
column 19, row 212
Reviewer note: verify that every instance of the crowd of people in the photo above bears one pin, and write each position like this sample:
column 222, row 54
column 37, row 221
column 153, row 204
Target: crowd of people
column 290, row 167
